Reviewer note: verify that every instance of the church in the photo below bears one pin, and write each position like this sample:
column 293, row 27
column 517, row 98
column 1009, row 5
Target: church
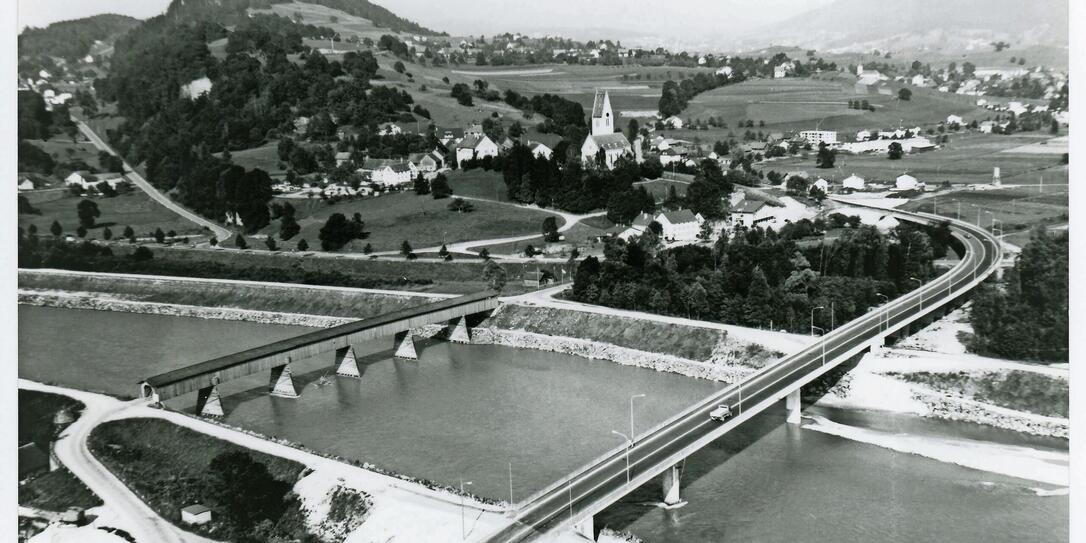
column 603, row 136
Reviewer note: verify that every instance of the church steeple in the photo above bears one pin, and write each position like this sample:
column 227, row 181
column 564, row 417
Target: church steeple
column 603, row 120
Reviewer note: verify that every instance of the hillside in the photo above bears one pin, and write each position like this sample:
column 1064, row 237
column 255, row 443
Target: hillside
column 73, row 39
column 860, row 25
column 231, row 11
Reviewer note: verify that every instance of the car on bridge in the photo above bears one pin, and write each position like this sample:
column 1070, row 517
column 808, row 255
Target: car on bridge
column 721, row 413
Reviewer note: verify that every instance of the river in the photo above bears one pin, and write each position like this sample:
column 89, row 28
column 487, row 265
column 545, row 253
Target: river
column 469, row 411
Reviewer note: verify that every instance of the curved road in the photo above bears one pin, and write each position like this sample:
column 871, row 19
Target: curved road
column 594, row 487
column 220, row 232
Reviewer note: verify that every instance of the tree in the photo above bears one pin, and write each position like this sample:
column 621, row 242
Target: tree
column 440, row 188
column 460, row 205
column 81, row 231
column 550, row 229
column 240, row 243
column 160, row 236
column 303, row 245
column 405, row 249
column 826, row 156
column 422, row 186
column 797, row 185
column 88, row 212
column 245, row 490
column 443, row 252
column 107, row 234
column 269, row 242
column 399, row 67
column 484, row 253
column 129, row 234
column 904, row 94
column 338, row 231
column 142, row 254
column 895, row 151
column 494, row 274
column 529, row 251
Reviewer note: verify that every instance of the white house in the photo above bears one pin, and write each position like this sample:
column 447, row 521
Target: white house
column 603, row 137
column 863, row 135
column 821, row 184
column 751, row 212
column 196, row 514
column 426, row 162
column 475, row 146
column 674, row 122
column 388, row 172
column 781, row 71
column 196, row 88
column 725, row 71
column 907, row 182
column 342, row 158
column 86, row 179
column 680, row 225
column 853, row 182
column 638, row 227
column 815, row 137
column 986, row 127
column 26, row 184
column 954, row 119
column 919, row 80
column 540, row 150
column 389, row 129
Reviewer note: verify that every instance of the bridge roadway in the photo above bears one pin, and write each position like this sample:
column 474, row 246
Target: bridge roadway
column 204, row 376
column 572, row 501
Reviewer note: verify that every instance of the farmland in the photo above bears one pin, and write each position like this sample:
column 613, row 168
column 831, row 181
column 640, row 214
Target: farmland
column 1012, row 209
column 969, row 158
column 134, row 209
column 420, row 220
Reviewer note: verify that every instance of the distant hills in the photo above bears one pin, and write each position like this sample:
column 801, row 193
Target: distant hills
column 229, row 11
column 863, row 25
column 73, row 39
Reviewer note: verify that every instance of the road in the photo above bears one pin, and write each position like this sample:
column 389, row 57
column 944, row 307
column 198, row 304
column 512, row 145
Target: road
column 71, row 449
column 137, row 179
column 597, row 485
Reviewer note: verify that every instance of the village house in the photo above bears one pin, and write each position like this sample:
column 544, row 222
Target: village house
column 853, row 182
column 954, row 119
column 87, row 180
column 907, row 182
column 26, row 184
column 540, row 150
column 639, row 225
column 603, row 137
column 196, row 514
column 748, row 213
column 388, row 172
column 674, row 122
column 815, row 137
column 426, row 162
column 474, row 129
column 475, row 146
column 821, row 184
column 342, row 158
column 680, row 225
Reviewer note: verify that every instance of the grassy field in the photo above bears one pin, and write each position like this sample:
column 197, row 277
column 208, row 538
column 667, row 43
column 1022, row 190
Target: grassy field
column 265, row 157
column 421, row 220
column 57, row 491
column 658, row 187
column 969, row 158
column 63, row 149
column 479, row 183
column 822, row 101
column 134, row 209
column 1015, row 208
column 168, row 465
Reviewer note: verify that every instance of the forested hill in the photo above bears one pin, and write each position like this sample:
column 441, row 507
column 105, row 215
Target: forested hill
column 73, row 39
column 229, row 12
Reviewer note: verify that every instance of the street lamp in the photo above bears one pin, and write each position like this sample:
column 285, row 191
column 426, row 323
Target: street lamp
column 823, row 342
column 813, row 309
column 632, row 434
column 463, row 529
column 629, row 443
column 885, row 310
column 919, row 284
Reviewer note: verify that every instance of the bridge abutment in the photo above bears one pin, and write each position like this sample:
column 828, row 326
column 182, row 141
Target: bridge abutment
column 459, row 331
column 346, row 364
column 671, row 485
column 405, row 346
column 282, row 384
column 794, row 404
column 208, row 402
column 586, row 529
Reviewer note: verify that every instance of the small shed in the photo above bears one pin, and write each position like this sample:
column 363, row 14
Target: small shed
column 536, row 279
column 196, row 514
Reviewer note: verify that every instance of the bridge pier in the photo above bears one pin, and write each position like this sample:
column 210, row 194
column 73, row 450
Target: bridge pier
column 794, row 404
column 346, row 364
column 208, row 402
column 671, row 486
column 405, row 346
column 282, row 384
column 586, row 529
column 459, row 331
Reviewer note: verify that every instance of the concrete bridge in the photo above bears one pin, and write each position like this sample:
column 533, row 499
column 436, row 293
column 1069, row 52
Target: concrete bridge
column 571, row 502
column 276, row 358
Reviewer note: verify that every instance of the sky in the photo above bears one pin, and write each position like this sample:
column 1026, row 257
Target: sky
column 671, row 20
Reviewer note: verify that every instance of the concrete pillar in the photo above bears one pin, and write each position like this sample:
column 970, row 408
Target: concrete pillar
column 405, row 346
column 671, row 486
column 586, row 529
column 208, row 403
column 459, row 331
column 346, row 365
column 877, row 343
column 794, row 405
column 282, row 384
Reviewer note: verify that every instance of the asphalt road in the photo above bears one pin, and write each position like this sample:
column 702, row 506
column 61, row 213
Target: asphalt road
column 597, row 485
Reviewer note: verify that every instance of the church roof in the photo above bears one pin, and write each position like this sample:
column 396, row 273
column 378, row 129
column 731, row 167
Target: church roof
column 611, row 141
column 597, row 104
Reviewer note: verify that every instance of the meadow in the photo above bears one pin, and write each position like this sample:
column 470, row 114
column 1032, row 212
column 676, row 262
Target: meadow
column 134, row 209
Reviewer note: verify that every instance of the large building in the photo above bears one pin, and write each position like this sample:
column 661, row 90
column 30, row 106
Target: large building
column 815, row 137
column 603, row 137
